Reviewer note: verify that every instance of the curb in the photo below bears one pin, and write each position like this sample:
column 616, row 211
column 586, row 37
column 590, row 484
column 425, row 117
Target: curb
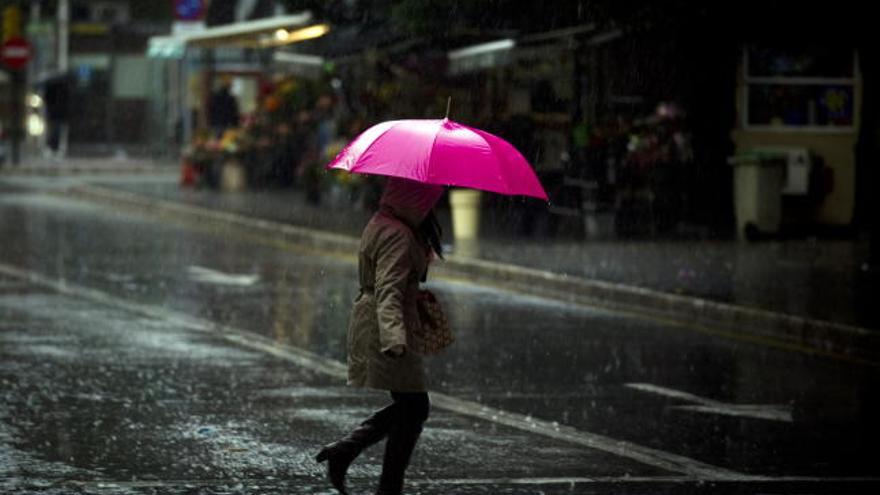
column 817, row 337
column 307, row 237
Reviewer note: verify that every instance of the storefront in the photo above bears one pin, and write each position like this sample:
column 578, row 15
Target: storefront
column 231, row 101
column 805, row 102
column 187, row 66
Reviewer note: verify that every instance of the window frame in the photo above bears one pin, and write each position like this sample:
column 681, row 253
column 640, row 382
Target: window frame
column 852, row 82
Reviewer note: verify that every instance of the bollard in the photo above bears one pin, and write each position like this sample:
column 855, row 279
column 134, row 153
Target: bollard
column 465, row 204
column 232, row 176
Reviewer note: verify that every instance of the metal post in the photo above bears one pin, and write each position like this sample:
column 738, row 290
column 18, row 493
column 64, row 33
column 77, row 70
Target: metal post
column 187, row 116
column 110, row 105
column 35, row 11
column 12, row 29
column 63, row 20
column 173, row 104
column 17, row 130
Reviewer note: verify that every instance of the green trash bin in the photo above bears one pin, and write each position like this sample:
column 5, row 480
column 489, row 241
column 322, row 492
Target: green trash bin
column 759, row 177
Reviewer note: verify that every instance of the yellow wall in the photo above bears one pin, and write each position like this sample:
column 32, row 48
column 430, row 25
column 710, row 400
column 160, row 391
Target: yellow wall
column 837, row 149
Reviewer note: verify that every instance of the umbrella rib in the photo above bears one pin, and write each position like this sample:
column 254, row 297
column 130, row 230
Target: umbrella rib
column 364, row 153
column 531, row 172
column 502, row 163
column 431, row 157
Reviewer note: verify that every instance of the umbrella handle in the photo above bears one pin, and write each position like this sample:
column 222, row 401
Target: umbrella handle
column 448, row 104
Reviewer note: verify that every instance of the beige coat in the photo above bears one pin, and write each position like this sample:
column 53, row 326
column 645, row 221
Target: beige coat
column 392, row 261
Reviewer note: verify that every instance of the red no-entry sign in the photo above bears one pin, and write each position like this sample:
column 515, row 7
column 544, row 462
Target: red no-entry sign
column 15, row 52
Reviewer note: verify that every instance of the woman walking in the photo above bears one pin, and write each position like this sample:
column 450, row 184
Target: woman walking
column 396, row 246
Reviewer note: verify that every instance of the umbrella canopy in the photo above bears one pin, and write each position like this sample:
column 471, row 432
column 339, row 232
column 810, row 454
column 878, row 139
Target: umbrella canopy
column 440, row 152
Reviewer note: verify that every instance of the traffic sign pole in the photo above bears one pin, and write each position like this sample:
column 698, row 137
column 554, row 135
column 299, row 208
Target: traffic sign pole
column 14, row 53
column 16, row 130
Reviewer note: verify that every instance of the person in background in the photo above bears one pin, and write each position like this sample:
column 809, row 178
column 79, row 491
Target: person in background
column 223, row 109
column 56, row 95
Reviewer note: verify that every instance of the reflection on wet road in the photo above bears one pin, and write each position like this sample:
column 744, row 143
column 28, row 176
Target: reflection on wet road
column 731, row 404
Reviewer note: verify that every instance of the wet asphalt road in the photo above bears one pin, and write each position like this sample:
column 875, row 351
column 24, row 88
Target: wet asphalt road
column 96, row 393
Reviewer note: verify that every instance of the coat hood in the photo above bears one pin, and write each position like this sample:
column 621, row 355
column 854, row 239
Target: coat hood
column 409, row 200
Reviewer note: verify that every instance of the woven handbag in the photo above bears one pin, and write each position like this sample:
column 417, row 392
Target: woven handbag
column 435, row 333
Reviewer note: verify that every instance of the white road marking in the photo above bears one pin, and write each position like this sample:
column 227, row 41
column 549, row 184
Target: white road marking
column 632, row 479
column 645, row 455
column 770, row 412
column 209, row 276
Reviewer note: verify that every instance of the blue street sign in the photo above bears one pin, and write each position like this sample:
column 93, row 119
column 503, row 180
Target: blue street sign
column 189, row 10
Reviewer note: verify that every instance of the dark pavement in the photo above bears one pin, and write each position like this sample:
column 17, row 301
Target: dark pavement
column 142, row 356
column 101, row 398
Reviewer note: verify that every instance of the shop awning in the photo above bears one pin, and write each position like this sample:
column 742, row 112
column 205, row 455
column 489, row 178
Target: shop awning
column 272, row 31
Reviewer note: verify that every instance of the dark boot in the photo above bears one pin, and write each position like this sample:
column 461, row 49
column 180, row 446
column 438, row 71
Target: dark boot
column 340, row 454
column 398, row 451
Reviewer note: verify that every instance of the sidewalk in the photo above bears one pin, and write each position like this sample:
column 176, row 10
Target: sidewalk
column 809, row 293
column 81, row 166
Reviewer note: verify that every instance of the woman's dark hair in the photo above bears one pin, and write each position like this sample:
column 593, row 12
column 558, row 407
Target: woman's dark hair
column 432, row 232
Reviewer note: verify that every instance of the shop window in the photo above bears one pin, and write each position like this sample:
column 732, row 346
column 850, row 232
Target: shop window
column 131, row 77
column 789, row 89
column 106, row 12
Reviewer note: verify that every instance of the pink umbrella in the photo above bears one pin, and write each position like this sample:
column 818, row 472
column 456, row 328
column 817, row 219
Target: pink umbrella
column 440, row 152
